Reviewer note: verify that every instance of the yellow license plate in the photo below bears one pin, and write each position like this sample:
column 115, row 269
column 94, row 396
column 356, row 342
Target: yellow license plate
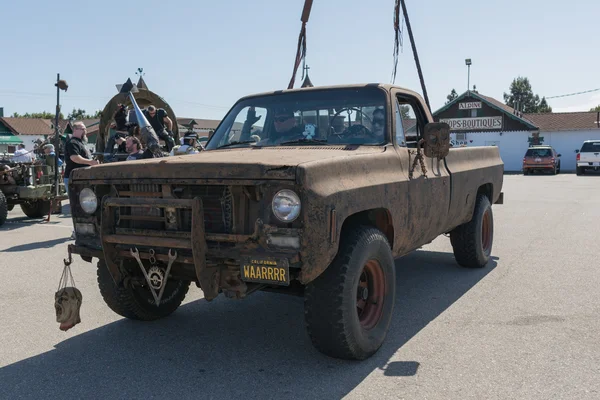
column 264, row 270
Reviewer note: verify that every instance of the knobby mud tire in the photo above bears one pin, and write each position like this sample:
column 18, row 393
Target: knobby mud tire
column 331, row 301
column 135, row 303
column 472, row 242
column 36, row 209
column 3, row 209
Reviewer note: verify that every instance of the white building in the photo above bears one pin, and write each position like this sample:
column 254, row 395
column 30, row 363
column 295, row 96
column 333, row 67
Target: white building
column 477, row 120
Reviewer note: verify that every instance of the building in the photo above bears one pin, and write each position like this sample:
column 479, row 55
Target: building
column 31, row 131
column 26, row 130
column 478, row 120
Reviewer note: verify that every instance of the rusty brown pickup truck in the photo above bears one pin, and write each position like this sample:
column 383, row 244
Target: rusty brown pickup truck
column 311, row 192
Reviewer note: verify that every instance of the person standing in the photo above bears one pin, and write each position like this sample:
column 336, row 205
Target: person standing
column 77, row 154
column 158, row 118
column 22, row 155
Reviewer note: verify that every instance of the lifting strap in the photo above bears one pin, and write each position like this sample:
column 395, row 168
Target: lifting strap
column 301, row 50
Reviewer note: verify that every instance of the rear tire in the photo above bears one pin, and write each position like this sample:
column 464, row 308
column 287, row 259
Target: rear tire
column 138, row 303
column 348, row 308
column 472, row 242
column 36, row 209
column 579, row 171
column 3, row 209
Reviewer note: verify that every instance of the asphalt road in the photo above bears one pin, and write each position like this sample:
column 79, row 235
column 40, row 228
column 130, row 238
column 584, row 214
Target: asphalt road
column 525, row 327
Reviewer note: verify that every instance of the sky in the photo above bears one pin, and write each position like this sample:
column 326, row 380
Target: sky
column 201, row 56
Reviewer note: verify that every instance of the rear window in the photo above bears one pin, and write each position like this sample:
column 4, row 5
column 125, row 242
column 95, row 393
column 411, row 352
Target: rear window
column 590, row 147
column 538, row 153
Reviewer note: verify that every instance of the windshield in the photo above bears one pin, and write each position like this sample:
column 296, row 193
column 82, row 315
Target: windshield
column 590, row 147
column 538, row 153
column 331, row 116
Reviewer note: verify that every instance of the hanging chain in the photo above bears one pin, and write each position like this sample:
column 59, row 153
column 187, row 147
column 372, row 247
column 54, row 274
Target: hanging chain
column 418, row 158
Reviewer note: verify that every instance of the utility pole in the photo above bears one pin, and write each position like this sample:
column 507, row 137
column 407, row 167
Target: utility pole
column 414, row 49
column 468, row 63
column 60, row 84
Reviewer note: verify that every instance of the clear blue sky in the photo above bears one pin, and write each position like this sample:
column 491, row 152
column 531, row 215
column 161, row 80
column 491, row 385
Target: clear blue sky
column 202, row 55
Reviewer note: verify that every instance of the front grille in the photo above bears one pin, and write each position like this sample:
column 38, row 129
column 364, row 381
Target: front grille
column 144, row 211
column 217, row 201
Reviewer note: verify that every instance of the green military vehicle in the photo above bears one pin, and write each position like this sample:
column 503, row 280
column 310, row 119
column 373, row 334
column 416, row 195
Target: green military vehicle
column 31, row 186
column 311, row 191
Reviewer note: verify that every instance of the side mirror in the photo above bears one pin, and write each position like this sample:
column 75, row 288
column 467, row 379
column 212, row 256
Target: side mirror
column 436, row 140
column 558, row 155
column 577, row 151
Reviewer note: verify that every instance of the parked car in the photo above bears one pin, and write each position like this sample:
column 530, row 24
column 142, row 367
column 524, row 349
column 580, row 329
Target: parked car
column 544, row 158
column 589, row 156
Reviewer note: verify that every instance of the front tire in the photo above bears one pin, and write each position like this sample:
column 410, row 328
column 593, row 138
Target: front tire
column 472, row 242
column 137, row 303
column 36, row 209
column 348, row 308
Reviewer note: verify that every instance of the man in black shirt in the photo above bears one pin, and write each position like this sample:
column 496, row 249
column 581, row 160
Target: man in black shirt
column 158, row 118
column 76, row 154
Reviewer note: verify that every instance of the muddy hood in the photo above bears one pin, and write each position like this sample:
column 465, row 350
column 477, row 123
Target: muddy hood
column 245, row 163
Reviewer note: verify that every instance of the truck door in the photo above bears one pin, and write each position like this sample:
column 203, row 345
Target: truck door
column 428, row 187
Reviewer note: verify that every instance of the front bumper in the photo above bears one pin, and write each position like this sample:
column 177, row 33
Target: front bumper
column 205, row 252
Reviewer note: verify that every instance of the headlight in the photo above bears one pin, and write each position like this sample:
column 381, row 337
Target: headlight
column 88, row 200
column 286, row 205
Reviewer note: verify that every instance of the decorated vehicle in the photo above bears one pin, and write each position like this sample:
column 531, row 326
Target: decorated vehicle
column 119, row 117
column 31, row 186
column 312, row 191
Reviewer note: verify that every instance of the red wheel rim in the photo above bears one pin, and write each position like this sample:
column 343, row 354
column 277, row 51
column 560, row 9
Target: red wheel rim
column 486, row 231
column 370, row 294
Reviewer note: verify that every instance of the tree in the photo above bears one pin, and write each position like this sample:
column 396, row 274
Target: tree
column 405, row 112
column 43, row 114
column 81, row 114
column 597, row 108
column 521, row 95
column 543, row 107
column 452, row 96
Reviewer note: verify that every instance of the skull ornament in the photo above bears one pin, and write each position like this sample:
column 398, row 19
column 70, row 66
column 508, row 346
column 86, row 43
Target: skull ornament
column 67, row 302
column 437, row 140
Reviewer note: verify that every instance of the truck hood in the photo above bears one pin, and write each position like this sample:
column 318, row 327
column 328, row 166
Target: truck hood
column 243, row 163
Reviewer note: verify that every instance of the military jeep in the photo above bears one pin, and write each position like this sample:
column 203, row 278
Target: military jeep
column 311, row 192
column 29, row 185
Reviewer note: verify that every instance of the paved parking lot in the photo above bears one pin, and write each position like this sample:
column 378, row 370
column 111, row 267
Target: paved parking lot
column 525, row 327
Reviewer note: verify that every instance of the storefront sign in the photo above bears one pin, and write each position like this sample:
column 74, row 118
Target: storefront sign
column 469, row 124
column 469, row 106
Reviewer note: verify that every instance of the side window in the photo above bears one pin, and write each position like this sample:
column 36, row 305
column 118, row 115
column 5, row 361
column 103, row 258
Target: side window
column 412, row 128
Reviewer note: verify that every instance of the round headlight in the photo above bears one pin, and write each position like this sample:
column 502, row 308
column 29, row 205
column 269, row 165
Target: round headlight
column 88, row 200
column 286, row 205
